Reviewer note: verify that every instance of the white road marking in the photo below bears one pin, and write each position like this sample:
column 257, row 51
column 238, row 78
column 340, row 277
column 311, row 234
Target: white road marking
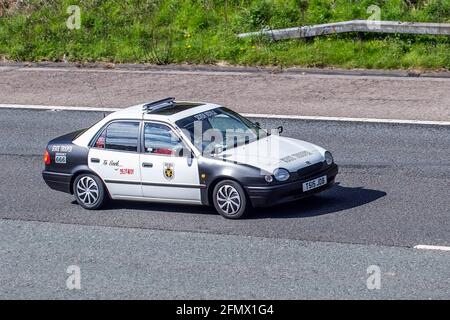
column 428, row 247
column 345, row 119
column 251, row 115
column 57, row 108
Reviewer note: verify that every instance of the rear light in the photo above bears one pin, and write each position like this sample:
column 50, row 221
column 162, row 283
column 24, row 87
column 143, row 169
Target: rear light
column 46, row 158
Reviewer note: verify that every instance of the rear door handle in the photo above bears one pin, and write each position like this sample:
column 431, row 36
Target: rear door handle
column 147, row 165
column 95, row 160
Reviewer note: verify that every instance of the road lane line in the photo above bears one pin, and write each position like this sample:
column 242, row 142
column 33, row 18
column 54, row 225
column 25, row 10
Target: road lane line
column 345, row 119
column 428, row 247
column 57, row 108
column 251, row 115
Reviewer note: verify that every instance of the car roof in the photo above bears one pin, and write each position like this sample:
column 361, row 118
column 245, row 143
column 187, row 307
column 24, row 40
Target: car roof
column 180, row 110
column 137, row 112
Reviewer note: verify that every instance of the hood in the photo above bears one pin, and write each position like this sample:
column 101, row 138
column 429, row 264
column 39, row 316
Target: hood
column 275, row 152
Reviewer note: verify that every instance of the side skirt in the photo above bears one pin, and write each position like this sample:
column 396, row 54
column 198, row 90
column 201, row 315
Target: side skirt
column 159, row 200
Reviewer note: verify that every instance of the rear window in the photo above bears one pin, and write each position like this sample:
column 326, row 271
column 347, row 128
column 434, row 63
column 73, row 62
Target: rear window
column 121, row 136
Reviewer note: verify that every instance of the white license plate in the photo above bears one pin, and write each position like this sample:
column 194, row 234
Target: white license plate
column 313, row 184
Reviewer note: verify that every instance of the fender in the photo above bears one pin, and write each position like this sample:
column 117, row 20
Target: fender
column 66, row 160
column 213, row 170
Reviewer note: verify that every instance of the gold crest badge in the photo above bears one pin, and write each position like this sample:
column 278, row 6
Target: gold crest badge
column 168, row 171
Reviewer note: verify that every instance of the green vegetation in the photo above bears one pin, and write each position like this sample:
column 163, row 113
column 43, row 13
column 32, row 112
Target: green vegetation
column 204, row 31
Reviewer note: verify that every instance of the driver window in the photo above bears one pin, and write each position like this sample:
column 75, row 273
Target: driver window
column 160, row 139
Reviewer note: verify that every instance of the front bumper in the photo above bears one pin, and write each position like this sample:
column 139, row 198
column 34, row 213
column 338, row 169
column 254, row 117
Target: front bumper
column 265, row 196
column 58, row 181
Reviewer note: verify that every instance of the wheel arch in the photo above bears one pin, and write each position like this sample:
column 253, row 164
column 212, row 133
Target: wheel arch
column 212, row 171
column 217, row 180
column 82, row 170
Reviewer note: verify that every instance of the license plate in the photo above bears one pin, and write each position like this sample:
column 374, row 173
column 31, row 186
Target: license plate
column 313, row 184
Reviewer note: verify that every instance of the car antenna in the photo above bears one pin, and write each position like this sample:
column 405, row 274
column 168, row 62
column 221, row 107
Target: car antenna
column 97, row 93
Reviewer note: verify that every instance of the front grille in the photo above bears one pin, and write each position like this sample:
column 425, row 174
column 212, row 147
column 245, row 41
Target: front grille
column 312, row 169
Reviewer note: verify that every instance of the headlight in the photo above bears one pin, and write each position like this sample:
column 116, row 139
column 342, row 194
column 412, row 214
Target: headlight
column 328, row 157
column 281, row 174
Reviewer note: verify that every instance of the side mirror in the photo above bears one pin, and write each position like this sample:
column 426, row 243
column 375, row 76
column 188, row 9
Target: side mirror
column 280, row 129
column 257, row 124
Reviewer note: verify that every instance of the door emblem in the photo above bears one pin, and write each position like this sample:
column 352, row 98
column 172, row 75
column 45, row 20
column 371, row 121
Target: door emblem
column 168, row 170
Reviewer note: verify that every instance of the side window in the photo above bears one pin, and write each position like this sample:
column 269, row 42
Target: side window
column 160, row 139
column 100, row 143
column 121, row 136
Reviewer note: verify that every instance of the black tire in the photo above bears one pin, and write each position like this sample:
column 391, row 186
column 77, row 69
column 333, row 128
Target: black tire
column 95, row 198
column 229, row 199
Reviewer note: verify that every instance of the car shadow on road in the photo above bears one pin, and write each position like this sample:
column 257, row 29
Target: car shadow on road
column 336, row 199
column 158, row 207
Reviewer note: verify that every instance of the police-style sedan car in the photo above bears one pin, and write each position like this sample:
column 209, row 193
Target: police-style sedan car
column 186, row 153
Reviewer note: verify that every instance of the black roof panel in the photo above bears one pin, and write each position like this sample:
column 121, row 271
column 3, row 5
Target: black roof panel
column 177, row 107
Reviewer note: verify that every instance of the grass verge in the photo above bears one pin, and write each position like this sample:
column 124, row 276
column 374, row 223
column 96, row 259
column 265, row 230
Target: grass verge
column 204, row 31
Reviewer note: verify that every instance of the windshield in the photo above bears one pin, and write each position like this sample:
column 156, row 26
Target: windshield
column 219, row 129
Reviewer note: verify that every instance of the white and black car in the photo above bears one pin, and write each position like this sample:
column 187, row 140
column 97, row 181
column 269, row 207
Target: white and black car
column 188, row 153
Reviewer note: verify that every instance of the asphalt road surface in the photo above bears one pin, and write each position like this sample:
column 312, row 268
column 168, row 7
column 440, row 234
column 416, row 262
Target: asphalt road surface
column 392, row 194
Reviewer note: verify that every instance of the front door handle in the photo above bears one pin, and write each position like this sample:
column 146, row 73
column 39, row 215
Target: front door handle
column 95, row 160
column 147, row 165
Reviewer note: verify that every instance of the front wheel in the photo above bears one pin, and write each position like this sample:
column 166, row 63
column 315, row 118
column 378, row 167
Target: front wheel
column 89, row 191
column 229, row 199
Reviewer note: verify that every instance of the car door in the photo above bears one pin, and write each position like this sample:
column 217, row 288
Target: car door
column 169, row 170
column 114, row 157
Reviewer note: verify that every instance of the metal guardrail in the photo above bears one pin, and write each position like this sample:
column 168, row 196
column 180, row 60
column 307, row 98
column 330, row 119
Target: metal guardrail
column 354, row 26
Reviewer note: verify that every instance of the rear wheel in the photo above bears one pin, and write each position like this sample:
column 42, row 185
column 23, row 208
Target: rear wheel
column 230, row 200
column 89, row 191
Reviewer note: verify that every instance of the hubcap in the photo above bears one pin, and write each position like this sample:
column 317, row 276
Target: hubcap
column 229, row 199
column 87, row 190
